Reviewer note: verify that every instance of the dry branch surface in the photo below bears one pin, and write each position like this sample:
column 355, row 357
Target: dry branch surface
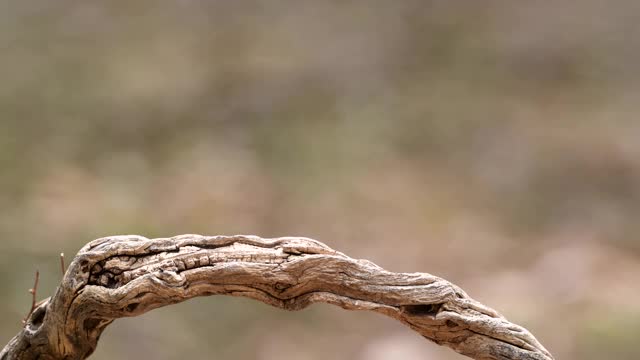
column 122, row 276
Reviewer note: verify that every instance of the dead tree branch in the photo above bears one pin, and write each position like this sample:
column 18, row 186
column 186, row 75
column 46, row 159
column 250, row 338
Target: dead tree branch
column 121, row 276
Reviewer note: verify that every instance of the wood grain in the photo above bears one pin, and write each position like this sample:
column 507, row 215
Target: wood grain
column 123, row 276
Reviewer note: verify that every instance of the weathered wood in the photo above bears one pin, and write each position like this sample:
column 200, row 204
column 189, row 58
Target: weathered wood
column 121, row 276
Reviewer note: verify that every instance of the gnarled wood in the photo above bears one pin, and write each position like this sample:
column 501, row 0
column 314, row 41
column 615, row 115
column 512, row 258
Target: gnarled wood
column 120, row 276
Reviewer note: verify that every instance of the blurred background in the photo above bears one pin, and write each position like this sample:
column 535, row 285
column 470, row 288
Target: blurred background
column 495, row 144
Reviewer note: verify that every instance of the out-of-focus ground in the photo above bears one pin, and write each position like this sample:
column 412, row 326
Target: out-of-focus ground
column 493, row 143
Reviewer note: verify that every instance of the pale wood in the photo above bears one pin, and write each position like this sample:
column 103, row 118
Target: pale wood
column 122, row 276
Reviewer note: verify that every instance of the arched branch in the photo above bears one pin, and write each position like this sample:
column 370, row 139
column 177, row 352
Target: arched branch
column 122, row 276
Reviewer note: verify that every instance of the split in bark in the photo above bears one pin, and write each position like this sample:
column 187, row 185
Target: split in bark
column 122, row 276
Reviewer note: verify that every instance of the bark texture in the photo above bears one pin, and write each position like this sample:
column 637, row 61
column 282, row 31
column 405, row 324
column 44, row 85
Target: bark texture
column 121, row 276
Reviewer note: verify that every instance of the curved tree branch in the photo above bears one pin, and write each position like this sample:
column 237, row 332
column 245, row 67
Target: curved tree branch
column 122, row 276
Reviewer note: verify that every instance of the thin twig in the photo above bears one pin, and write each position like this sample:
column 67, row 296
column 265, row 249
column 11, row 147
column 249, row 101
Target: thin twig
column 62, row 267
column 33, row 292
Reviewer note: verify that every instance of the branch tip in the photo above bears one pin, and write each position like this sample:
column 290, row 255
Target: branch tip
column 33, row 291
column 62, row 267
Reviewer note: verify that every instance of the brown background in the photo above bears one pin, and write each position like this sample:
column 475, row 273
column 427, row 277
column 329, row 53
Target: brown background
column 493, row 143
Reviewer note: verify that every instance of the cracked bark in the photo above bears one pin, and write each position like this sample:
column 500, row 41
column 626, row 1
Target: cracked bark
column 123, row 276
